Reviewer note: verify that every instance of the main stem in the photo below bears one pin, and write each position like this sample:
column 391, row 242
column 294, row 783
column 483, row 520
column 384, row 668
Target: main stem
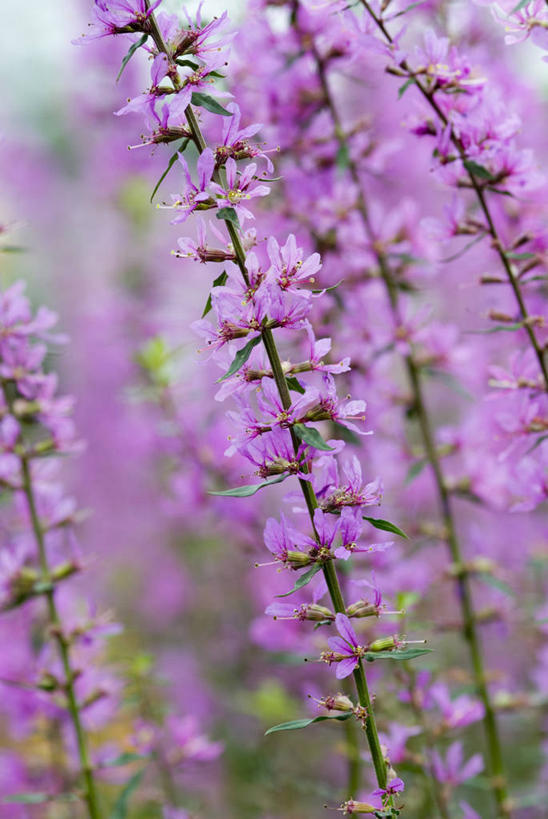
column 480, row 194
column 56, row 627
column 464, row 592
column 328, row 569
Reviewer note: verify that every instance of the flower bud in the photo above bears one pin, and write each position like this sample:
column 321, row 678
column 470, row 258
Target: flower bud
column 383, row 644
column 362, row 608
column 318, row 613
column 298, row 560
column 357, row 807
column 339, row 702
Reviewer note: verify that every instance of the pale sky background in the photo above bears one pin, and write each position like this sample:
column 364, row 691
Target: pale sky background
column 36, row 50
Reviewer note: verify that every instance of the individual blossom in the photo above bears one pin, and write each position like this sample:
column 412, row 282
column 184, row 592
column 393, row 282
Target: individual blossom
column 235, row 142
column 348, row 490
column 453, row 770
column 288, row 268
column 240, row 187
column 395, row 786
column 118, row 17
column 194, row 197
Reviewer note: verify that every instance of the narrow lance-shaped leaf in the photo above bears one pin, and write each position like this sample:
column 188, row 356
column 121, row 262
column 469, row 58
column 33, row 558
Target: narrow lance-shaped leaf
column 247, row 491
column 403, row 88
column 220, row 281
column 228, row 215
column 294, row 385
column 132, row 49
column 415, row 470
column 295, row 724
column 210, row 104
column 397, row 654
column 478, row 170
column 170, row 165
column 122, row 803
column 241, row 357
column 311, row 436
column 303, row 580
column 386, row 526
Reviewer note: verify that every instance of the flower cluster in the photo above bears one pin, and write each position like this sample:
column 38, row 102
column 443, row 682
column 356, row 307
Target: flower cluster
column 264, row 294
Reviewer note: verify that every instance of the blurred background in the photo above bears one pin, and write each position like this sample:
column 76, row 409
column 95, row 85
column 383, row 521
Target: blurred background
column 173, row 564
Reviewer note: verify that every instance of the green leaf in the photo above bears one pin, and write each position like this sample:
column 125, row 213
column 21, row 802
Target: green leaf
column 498, row 328
column 170, row 164
column 294, row 385
column 303, row 580
column 519, row 257
column 295, row 724
column 186, row 63
column 311, row 436
column 228, row 215
column 220, row 281
column 124, row 759
column 328, row 289
column 403, row 88
column 538, row 442
column 477, row 170
column 342, row 158
column 397, row 654
column 13, row 249
column 415, row 469
column 241, row 357
column 463, row 250
column 520, row 5
column 450, row 380
column 496, row 583
column 207, row 102
column 386, row 526
column 38, row 798
column 247, row 491
column 346, row 434
column 132, row 49
column 120, row 808
column 27, row 798
column 406, row 9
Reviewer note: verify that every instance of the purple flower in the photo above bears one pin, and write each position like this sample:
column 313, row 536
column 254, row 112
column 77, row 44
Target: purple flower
column 286, row 543
column 240, row 187
column 235, row 142
column 345, row 649
column 453, row 770
column 350, row 492
column 117, row 17
column 193, row 196
column 396, row 785
column 288, row 268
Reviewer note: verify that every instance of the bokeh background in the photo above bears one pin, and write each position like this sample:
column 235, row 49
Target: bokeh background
column 175, row 565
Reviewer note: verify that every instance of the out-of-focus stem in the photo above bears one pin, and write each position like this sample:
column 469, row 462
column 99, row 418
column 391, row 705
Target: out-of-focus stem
column 464, row 592
column 56, row 627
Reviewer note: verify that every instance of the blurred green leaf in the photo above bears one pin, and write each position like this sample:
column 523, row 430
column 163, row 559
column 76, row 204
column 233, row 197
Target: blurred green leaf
column 210, row 104
column 296, row 724
column 132, row 49
column 386, row 526
column 303, row 580
column 247, row 491
column 311, row 436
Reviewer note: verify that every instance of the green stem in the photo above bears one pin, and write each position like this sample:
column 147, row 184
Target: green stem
column 90, row 794
column 307, row 490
